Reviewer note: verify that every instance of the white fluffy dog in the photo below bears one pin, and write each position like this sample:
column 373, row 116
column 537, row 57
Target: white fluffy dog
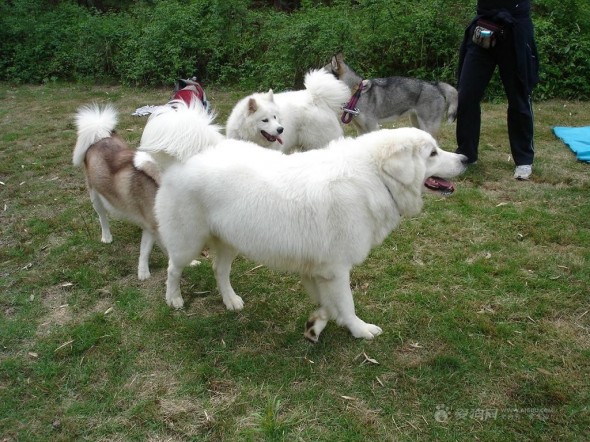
column 305, row 119
column 317, row 213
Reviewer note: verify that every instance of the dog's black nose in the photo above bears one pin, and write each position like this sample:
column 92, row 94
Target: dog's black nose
column 465, row 160
column 280, row 129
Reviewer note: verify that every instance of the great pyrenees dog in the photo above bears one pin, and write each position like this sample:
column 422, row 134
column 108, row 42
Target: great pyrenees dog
column 123, row 182
column 317, row 213
column 304, row 119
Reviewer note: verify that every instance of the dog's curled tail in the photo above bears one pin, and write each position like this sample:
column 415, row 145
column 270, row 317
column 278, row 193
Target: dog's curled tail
column 451, row 96
column 326, row 89
column 94, row 123
column 177, row 131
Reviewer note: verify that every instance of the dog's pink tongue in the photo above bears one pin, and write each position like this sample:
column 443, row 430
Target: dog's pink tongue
column 442, row 185
column 279, row 140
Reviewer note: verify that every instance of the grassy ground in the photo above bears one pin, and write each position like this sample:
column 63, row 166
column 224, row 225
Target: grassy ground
column 483, row 299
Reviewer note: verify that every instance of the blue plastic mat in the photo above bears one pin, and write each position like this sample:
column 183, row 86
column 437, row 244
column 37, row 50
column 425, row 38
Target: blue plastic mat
column 577, row 139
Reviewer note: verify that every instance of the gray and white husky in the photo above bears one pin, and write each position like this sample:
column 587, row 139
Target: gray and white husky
column 386, row 99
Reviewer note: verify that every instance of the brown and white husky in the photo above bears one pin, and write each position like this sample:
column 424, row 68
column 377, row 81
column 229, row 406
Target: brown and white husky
column 123, row 182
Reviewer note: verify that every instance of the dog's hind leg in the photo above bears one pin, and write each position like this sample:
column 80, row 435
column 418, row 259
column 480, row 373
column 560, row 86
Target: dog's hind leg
column 310, row 286
column 147, row 244
column 336, row 298
column 224, row 256
column 431, row 127
column 101, row 210
column 315, row 324
column 178, row 258
column 428, row 122
column 415, row 121
column 173, row 295
column 318, row 319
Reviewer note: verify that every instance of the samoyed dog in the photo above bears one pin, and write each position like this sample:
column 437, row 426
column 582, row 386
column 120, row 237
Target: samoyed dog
column 295, row 120
column 317, row 213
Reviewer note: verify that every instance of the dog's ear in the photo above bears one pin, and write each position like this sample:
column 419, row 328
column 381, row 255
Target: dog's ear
column 334, row 64
column 337, row 60
column 252, row 105
column 270, row 95
column 400, row 166
column 403, row 178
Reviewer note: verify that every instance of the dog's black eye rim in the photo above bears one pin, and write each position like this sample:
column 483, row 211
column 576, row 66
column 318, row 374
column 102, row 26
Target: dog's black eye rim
column 265, row 120
column 433, row 153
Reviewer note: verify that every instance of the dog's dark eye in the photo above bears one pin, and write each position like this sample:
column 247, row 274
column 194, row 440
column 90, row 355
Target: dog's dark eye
column 265, row 120
column 433, row 153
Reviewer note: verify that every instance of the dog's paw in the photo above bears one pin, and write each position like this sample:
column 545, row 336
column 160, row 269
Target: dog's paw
column 314, row 326
column 364, row 330
column 374, row 330
column 107, row 239
column 175, row 302
column 234, row 302
column 143, row 274
column 311, row 333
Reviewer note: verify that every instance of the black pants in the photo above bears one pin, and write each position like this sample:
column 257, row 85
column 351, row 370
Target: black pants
column 476, row 73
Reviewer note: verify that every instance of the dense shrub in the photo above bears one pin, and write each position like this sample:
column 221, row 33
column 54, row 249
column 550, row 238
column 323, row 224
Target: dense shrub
column 41, row 42
column 563, row 39
column 250, row 44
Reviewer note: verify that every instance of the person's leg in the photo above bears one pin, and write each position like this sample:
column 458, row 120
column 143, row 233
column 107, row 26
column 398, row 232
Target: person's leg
column 520, row 111
column 476, row 72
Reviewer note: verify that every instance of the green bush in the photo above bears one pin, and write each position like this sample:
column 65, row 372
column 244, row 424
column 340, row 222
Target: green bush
column 563, row 40
column 247, row 44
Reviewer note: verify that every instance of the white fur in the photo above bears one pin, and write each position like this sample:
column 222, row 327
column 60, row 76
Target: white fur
column 309, row 117
column 177, row 131
column 317, row 213
column 143, row 160
column 94, row 123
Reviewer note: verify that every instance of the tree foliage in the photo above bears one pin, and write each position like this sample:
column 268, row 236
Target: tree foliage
column 268, row 43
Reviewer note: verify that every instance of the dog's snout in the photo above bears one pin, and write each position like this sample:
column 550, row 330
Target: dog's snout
column 280, row 129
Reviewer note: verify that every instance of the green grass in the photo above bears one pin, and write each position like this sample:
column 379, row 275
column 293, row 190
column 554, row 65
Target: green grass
column 483, row 298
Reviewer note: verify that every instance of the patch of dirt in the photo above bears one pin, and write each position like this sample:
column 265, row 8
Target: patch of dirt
column 59, row 312
column 54, row 299
column 576, row 330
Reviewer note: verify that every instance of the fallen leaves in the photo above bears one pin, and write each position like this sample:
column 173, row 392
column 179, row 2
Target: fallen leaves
column 366, row 359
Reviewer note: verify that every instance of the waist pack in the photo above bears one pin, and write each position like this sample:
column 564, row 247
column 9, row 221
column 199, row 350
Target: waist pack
column 486, row 34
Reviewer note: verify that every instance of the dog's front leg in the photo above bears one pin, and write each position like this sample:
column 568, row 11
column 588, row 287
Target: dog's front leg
column 224, row 256
column 336, row 298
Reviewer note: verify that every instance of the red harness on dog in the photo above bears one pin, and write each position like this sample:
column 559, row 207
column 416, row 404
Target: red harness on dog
column 190, row 93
